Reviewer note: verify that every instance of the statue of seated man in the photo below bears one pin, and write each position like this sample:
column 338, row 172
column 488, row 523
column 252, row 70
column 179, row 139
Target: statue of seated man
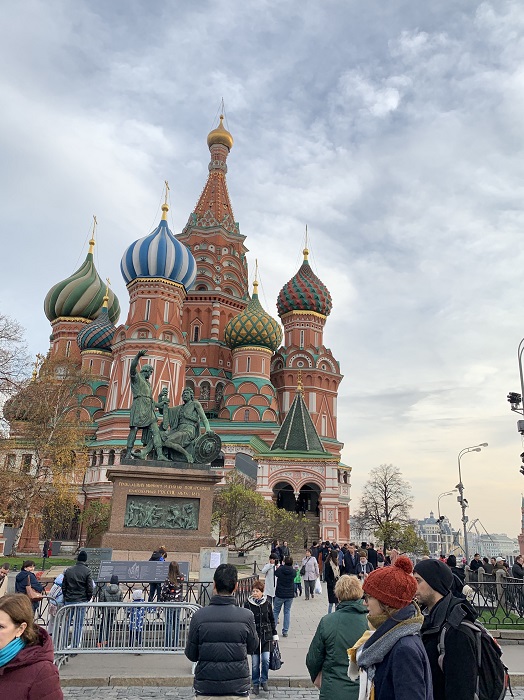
column 181, row 425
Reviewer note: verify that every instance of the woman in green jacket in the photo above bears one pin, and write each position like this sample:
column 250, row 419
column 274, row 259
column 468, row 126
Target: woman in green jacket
column 327, row 658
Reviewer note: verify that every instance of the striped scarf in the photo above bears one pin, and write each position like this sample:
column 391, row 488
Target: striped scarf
column 408, row 622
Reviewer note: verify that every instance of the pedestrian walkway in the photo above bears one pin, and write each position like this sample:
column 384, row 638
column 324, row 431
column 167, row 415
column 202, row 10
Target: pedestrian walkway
column 139, row 693
column 164, row 670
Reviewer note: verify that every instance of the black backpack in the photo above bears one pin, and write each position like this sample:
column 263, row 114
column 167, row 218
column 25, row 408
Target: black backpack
column 493, row 678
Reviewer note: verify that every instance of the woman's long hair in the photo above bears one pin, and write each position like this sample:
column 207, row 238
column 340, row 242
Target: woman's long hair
column 174, row 572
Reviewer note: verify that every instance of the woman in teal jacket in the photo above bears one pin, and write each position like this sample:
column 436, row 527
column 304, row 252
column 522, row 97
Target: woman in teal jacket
column 335, row 634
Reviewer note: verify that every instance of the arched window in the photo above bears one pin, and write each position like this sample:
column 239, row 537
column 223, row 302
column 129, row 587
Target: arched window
column 111, row 458
column 101, row 458
column 246, row 415
column 93, row 459
column 196, row 333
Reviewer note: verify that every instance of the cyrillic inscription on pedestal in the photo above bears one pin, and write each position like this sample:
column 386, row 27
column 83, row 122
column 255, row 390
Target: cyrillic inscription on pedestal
column 162, row 513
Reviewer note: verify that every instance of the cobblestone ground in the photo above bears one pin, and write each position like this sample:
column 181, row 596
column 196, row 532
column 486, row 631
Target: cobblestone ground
column 151, row 693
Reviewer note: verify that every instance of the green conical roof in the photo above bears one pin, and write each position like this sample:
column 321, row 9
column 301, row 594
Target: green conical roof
column 253, row 327
column 298, row 433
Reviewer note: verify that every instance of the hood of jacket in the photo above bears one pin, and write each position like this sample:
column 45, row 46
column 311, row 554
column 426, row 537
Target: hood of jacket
column 113, row 588
column 257, row 601
column 41, row 651
column 21, row 576
column 354, row 606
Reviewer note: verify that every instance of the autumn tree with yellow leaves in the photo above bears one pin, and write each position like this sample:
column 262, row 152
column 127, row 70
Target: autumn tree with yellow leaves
column 45, row 421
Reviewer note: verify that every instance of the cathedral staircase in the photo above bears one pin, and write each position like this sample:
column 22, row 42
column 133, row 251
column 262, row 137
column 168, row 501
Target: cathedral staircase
column 312, row 527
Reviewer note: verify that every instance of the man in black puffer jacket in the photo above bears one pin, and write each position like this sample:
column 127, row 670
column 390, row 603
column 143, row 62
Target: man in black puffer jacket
column 284, row 592
column 221, row 636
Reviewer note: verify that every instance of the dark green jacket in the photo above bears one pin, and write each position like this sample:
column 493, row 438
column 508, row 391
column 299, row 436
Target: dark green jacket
column 335, row 634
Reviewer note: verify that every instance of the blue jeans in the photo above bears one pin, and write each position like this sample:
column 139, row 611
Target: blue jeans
column 172, row 624
column 259, row 674
column 77, row 613
column 277, row 605
column 154, row 591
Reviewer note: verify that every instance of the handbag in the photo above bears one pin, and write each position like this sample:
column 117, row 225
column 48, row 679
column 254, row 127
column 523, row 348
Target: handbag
column 318, row 587
column 303, row 568
column 275, row 658
column 31, row 593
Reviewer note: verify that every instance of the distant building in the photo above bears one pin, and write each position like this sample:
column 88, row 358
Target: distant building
column 493, row 545
column 439, row 536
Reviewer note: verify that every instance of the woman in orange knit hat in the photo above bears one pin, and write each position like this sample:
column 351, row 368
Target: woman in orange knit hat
column 392, row 663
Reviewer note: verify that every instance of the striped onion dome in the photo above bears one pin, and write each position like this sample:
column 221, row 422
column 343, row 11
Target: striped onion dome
column 253, row 327
column 159, row 254
column 97, row 335
column 81, row 295
column 304, row 292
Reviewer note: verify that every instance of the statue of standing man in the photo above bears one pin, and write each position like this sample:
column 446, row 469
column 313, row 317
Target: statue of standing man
column 143, row 409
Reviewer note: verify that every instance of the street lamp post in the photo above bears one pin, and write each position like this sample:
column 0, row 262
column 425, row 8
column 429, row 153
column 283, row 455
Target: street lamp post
column 446, row 493
column 460, row 497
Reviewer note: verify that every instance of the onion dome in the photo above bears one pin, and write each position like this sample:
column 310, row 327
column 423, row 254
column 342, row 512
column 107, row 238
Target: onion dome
column 253, row 327
column 304, row 292
column 81, row 295
column 159, row 254
column 98, row 335
column 220, row 135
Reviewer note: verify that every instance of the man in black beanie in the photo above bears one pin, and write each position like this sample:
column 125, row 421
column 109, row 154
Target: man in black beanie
column 457, row 680
column 78, row 587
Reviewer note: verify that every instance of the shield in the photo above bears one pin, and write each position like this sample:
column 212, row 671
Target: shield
column 207, row 448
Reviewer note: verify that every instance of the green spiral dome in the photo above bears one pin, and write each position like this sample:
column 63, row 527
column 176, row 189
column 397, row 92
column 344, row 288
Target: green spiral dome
column 81, row 295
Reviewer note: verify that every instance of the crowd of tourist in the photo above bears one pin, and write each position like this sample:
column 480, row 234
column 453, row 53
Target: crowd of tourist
column 392, row 631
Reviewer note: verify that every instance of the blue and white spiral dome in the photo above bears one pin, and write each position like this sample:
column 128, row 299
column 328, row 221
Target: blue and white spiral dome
column 159, row 254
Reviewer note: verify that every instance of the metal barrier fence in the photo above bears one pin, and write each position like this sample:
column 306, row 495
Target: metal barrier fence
column 196, row 592
column 119, row 628
column 499, row 602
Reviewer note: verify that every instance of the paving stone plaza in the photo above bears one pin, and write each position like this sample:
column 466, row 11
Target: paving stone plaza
column 128, row 677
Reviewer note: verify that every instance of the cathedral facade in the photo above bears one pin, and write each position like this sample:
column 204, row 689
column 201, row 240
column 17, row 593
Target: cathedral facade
column 269, row 387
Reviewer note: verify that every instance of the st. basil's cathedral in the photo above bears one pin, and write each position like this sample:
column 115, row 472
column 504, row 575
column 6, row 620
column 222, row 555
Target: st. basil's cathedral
column 269, row 392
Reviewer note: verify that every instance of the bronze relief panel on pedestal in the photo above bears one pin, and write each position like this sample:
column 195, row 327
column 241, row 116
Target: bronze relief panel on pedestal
column 162, row 513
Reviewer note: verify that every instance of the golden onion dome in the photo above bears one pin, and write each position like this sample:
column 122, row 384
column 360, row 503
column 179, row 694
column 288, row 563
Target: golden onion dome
column 220, row 135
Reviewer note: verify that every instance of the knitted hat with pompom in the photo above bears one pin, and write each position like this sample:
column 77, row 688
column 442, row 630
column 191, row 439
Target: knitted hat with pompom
column 394, row 585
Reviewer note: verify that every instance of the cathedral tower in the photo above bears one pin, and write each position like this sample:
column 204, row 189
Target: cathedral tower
column 304, row 304
column 221, row 286
column 158, row 270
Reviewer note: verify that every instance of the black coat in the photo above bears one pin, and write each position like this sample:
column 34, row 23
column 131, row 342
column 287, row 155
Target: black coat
column 350, row 563
column 77, row 585
column 373, row 557
column 459, row 678
column 517, row 571
column 329, row 577
column 285, row 576
column 221, row 636
column 264, row 622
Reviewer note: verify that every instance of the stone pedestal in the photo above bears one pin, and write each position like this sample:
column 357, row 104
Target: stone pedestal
column 157, row 504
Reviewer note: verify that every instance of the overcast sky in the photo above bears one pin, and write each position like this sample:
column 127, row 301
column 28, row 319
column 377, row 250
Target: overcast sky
column 393, row 129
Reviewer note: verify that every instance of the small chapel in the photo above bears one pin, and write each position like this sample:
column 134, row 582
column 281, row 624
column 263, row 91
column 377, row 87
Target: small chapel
column 268, row 386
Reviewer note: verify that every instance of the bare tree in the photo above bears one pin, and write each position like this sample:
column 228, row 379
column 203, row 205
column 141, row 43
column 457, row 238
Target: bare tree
column 14, row 359
column 386, row 499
